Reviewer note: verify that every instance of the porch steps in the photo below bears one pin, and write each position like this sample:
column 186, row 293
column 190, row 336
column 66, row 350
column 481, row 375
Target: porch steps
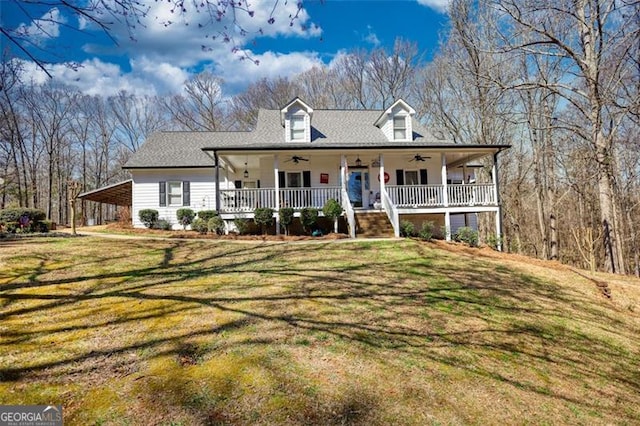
column 373, row 225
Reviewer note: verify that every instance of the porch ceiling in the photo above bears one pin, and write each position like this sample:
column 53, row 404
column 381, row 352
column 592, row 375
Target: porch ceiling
column 118, row 194
column 455, row 156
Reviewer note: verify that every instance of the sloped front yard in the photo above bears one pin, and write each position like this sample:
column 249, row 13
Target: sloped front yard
column 204, row 332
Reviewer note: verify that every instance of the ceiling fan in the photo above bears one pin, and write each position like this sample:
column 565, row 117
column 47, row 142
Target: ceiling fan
column 296, row 159
column 418, row 157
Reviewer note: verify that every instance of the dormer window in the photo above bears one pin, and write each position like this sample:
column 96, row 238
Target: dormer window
column 395, row 122
column 297, row 127
column 400, row 128
column 296, row 120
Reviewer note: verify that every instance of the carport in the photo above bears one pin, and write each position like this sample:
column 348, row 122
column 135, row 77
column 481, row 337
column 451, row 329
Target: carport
column 118, row 194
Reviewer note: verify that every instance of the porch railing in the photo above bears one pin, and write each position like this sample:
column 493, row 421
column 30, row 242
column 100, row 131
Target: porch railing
column 247, row 200
column 416, row 195
column 471, row 195
column 349, row 213
column 405, row 196
column 392, row 212
column 299, row 198
column 432, row 195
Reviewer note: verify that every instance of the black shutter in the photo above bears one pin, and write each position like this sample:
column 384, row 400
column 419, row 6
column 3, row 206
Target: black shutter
column 423, row 176
column 306, row 179
column 282, row 182
column 186, row 193
column 237, row 184
column 258, row 183
column 163, row 194
column 399, row 177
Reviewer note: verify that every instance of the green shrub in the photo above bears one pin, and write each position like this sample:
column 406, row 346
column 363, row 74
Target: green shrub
column 466, row 235
column 148, row 217
column 207, row 214
column 332, row 209
column 163, row 224
column 286, row 218
column 407, row 229
column 308, row 218
column 14, row 215
column 185, row 216
column 216, row 225
column 242, row 225
column 263, row 216
column 494, row 241
column 43, row 226
column 200, row 226
column 426, row 230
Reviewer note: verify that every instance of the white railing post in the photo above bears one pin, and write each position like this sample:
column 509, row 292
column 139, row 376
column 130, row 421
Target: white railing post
column 443, row 174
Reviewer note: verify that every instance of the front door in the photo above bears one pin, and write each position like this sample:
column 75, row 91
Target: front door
column 358, row 187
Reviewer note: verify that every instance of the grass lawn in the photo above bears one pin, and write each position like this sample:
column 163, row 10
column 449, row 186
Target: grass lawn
column 194, row 332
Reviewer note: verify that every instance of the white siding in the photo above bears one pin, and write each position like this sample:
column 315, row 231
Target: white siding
column 146, row 192
column 297, row 111
column 387, row 127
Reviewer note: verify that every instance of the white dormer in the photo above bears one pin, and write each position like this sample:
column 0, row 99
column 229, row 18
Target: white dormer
column 395, row 121
column 296, row 120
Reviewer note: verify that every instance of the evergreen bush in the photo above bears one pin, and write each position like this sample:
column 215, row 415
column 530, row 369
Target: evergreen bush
column 407, row 229
column 286, row 218
column 263, row 216
column 200, row 226
column 185, row 216
column 207, row 214
column 308, row 218
column 466, row 235
column 332, row 209
column 426, row 231
column 216, row 225
column 148, row 217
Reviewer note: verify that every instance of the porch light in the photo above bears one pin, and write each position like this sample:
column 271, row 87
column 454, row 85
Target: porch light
column 246, row 172
column 358, row 162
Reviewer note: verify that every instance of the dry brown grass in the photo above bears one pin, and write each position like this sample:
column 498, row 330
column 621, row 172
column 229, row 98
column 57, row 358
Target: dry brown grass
column 204, row 332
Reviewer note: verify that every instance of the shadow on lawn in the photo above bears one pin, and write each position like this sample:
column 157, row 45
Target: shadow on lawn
column 403, row 306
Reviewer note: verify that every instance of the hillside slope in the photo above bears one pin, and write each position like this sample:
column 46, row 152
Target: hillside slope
column 402, row 332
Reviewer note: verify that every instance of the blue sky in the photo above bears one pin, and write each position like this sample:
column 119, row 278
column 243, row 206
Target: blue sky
column 156, row 58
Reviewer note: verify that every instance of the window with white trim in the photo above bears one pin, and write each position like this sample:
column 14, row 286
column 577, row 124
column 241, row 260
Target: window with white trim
column 411, row 177
column 294, row 180
column 400, row 128
column 297, row 126
column 174, row 193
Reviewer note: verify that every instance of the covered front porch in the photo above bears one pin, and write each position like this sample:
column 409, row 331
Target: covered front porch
column 398, row 182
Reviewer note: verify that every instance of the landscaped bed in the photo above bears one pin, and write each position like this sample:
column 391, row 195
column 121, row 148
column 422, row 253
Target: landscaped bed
column 387, row 332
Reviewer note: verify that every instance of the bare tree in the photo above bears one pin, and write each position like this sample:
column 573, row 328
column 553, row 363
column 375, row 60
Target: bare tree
column 597, row 39
column 200, row 107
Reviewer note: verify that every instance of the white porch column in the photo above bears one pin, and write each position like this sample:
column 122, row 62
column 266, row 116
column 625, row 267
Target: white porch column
column 494, row 177
column 277, row 193
column 343, row 172
column 445, row 197
column 383, row 185
column 447, row 226
column 443, row 173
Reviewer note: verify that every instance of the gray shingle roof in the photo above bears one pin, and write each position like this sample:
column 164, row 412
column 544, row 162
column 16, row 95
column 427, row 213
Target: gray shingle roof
column 331, row 129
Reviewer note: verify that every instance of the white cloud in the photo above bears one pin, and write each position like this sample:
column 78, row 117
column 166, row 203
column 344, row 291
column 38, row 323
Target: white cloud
column 47, row 27
column 189, row 38
column 237, row 74
column 371, row 37
column 439, row 5
column 95, row 77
